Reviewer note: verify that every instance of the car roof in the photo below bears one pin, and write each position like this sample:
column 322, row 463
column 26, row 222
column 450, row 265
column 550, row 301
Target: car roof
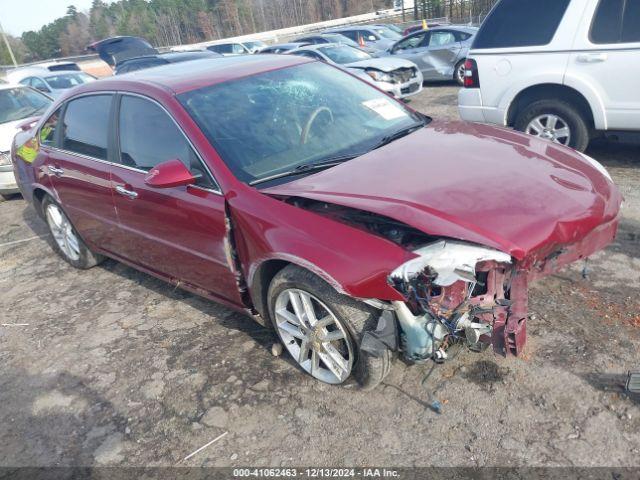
column 288, row 44
column 323, row 45
column 183, row 77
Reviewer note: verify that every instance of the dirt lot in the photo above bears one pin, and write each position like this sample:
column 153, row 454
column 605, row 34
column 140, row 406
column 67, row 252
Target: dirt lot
column 115, row 367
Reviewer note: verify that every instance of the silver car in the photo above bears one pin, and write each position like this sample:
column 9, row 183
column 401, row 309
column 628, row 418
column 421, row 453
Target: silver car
column 439, row 52
column 398, row 77
column 372, row 36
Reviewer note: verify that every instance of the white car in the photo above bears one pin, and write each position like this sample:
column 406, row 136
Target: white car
column 16, row 104
column 564, row 70
column 396, row 76
column 52, row 78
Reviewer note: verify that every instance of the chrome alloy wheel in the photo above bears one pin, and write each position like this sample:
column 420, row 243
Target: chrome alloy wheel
column 314, row 336
column 550, row 127
column 460, row 73
column 62, row 232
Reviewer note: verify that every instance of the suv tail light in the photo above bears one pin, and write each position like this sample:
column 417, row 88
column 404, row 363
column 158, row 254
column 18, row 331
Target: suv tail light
column 471, row 77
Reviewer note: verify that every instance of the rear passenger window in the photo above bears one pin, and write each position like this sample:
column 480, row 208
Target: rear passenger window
column 616, row 21
column 86, row 126
column 521, row 23
column 607, row 22
column 148, row 137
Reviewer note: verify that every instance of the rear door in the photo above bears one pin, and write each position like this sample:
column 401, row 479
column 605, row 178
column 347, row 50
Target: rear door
column 441, row 53
column 178, row 232
column 78, row 162
column 607, row 58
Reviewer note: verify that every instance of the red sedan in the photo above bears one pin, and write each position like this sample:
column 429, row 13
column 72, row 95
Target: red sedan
column 291, row 190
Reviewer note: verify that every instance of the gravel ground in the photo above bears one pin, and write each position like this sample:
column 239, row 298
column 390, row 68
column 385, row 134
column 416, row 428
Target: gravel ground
column 115, row 367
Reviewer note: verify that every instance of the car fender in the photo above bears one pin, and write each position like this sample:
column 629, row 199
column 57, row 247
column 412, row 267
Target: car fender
column 590, row 93
column 353, row 261
column 519, row 86
column 576, row 83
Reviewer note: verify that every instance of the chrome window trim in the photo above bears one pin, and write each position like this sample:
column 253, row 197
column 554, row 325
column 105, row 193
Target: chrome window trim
column 64, row 104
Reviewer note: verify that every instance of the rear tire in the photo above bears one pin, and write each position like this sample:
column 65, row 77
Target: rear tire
column 458, row 72
column 351, row 317
column 66, row 241
column 531, row 120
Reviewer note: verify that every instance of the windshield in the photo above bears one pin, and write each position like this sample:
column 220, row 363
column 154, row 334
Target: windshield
column 344, row 54
column 337, row 38
column 254, row 44
column 386, row 32
column 271, row 123
column 68, row 80
column 18, row 103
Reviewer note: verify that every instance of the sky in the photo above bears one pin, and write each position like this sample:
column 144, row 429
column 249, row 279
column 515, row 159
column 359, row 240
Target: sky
column 18, row 16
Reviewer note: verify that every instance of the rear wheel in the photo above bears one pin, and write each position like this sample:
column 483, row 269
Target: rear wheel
column 555, row 120
column 66, row 241
column 322, row 329
column 458, row 72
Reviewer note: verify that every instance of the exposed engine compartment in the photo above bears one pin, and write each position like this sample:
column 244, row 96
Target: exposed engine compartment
column 455, row 291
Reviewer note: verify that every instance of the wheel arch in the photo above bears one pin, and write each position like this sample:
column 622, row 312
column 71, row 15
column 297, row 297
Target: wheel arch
column 261, row 274
column 38, row 194
column 552, row 91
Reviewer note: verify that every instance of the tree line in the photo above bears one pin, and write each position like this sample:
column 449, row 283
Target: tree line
column 175, row 22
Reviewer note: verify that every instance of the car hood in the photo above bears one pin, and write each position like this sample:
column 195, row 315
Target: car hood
column 473, row 182
column 385, row 64
column 7, row 132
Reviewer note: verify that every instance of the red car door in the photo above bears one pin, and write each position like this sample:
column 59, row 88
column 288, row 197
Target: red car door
column 78, row 164
column 178, row 231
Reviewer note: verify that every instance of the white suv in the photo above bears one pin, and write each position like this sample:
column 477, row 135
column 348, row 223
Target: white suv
column 558, row 69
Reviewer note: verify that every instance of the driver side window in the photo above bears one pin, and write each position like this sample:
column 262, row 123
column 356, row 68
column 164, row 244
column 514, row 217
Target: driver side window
column 411, row 42
column 148, row 137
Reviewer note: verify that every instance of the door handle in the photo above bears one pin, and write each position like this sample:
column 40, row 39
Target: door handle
column 127, row 193
column 54, row 170
column 592, row 57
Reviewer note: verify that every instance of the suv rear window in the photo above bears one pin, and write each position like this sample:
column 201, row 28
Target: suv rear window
column 616, row 21
column 521, row 23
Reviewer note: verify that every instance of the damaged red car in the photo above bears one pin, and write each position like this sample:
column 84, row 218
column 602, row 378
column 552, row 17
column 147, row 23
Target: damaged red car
column 355, row 227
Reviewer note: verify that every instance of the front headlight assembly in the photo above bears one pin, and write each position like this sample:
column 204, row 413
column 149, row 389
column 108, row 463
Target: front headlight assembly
column 5, row 159
column 379, row 76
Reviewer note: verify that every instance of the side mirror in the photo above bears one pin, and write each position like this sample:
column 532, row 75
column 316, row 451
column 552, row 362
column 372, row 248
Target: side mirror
column 171, row 173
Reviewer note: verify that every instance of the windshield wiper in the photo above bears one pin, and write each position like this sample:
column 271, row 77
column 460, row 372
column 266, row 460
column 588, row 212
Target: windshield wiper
column 309, row 167
column 386, row 140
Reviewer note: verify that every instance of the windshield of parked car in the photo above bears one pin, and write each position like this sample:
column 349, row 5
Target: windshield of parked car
column 344, row 54
column 386, row 32
column 337, row 38
column 267, row 124
column 254, row 44
column 68, row 80
column 18, row 103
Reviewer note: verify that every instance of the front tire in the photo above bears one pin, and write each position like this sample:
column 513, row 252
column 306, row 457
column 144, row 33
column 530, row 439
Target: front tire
column 322, row 329
column 66, row 241
column 555, row 120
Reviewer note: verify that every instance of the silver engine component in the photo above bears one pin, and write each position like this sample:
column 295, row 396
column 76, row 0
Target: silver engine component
column 422, row 335
column 472, row 330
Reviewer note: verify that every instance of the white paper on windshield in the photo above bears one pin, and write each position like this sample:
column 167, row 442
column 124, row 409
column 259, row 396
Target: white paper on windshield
column 385, row 108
